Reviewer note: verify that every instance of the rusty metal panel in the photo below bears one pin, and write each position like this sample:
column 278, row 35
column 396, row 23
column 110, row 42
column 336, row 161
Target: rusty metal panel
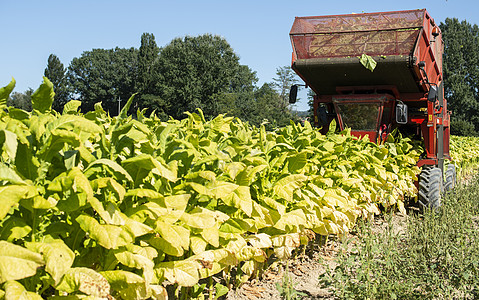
column 389, row 33
column 359, row 22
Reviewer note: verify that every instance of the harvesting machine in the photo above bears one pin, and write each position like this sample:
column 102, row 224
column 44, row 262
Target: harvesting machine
column 404, row 90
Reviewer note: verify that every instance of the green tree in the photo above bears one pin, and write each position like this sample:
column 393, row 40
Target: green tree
column 239, row 100
column 271, row 108
column 104, row 75
column 283, row 82
column 148, row 77
column 21, row 100
column 461, row 74
column 147, row 55
column 462, row 127
column 196, row 72
column 55, row 72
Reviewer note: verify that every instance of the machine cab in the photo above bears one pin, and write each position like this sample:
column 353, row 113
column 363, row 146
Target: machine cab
column 370, row 115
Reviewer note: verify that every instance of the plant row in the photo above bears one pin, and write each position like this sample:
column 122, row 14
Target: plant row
column 94, row 206
column 465, row 154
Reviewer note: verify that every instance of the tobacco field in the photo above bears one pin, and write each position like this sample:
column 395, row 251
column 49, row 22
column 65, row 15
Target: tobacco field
column 100, row 207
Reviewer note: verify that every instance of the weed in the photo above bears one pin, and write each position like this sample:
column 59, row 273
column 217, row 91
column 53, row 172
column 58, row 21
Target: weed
column 286, row 288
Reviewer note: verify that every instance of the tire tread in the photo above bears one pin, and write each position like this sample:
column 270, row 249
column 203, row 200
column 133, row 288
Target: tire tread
column 430, row 188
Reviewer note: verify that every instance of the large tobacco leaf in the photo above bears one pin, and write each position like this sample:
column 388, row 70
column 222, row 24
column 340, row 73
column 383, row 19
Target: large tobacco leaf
column 5, row 93
column 17, row 262
column 129, row 285
column 42, row 98
column 57, row 256
column 15, row 290
column 11, row 195
column 86, row 281
column 108, row 236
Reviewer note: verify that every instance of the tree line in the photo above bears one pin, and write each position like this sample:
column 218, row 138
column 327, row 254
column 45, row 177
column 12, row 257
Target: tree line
column 186, row 74
column 204, row 72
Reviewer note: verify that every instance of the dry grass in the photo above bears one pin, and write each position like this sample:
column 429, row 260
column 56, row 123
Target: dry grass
column 430, row 256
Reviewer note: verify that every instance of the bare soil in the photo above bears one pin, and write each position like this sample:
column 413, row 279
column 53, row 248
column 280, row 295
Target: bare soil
column 305, row 268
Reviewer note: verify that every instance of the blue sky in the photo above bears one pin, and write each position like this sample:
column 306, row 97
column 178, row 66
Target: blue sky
column 257, row 30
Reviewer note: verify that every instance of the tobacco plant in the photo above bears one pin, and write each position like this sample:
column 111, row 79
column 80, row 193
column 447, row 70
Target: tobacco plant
column 465, row 151
column 128, row 208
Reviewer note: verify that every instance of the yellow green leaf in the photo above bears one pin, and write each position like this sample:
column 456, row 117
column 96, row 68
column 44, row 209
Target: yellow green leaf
column 108, row 236
column 58, row 257
column 15, row 290
column 17, row 262
column 285, row 187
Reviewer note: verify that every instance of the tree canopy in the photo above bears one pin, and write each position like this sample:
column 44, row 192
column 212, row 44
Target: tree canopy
column 283, row 82
column 188, row 73
column 104, row 75
column 21, row 100
column 461, row 74
column 196, row 71
column 147, row 77
column 55, row 72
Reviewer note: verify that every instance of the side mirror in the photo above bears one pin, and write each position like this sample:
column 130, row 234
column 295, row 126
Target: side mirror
column 432, row 95
column 401, row 113
column 293, row 94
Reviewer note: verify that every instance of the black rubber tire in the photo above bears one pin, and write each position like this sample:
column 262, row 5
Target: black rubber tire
column 450, row 177
column 430, row 188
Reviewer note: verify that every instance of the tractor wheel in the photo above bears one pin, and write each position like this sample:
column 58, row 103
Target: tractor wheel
column 450, row 177
column 430, row 188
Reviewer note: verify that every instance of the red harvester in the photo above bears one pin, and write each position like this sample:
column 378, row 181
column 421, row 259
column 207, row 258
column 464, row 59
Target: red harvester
column 405, row 89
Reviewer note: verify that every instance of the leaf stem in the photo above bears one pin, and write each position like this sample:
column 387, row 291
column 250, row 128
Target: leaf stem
column 34, row 225
column 210, row 288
